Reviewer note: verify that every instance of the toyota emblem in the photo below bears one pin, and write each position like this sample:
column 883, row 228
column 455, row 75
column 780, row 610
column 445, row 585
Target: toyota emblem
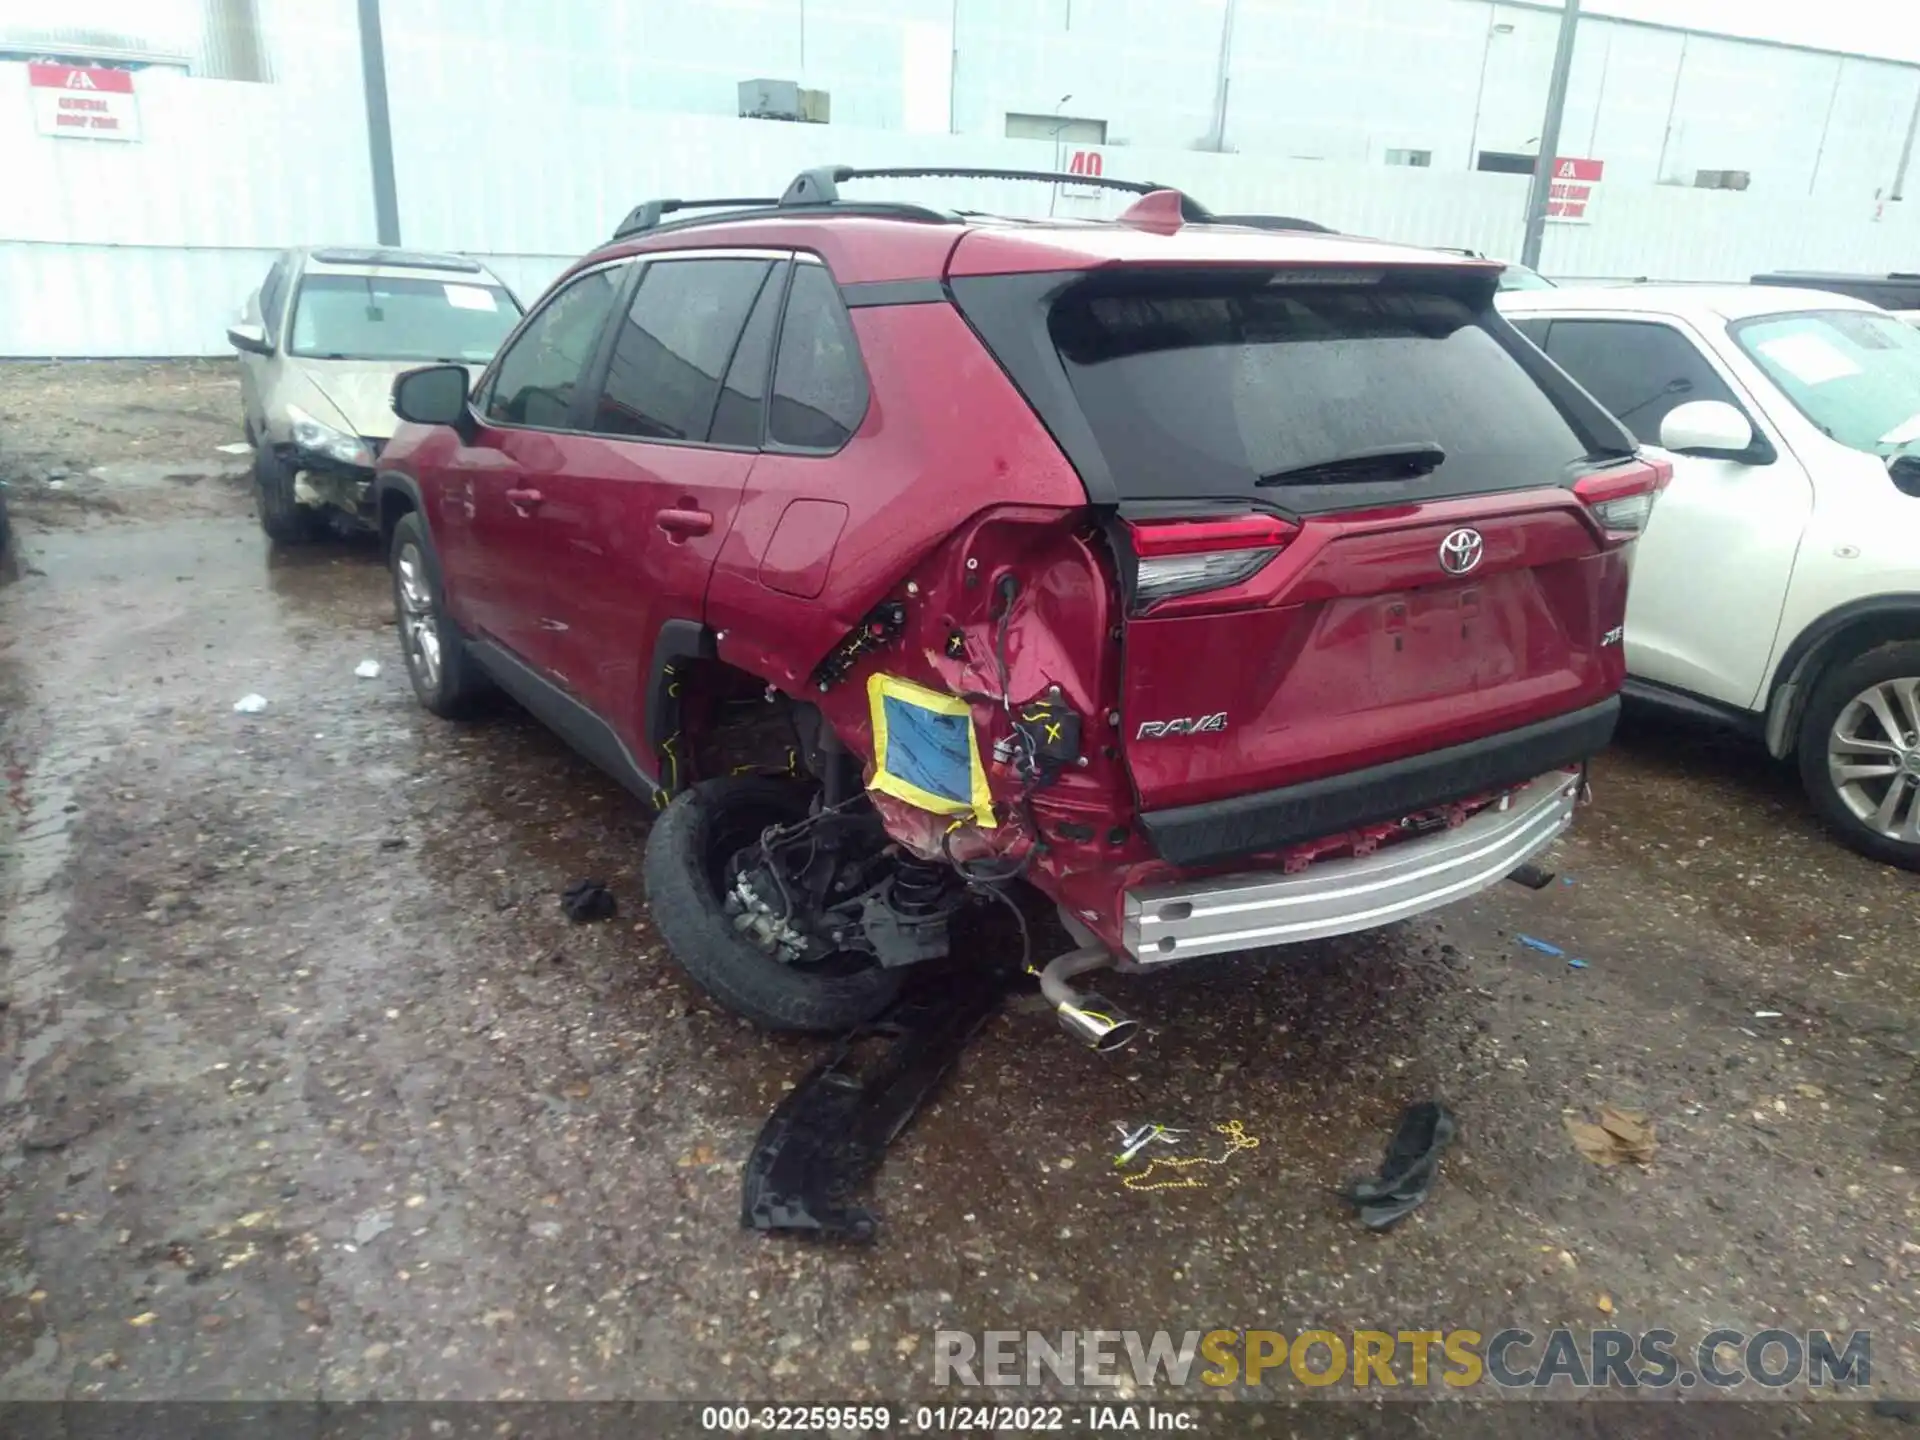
column 1461, row 551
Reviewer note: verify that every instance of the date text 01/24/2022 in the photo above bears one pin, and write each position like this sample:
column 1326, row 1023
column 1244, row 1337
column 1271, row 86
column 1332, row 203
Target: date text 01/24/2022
column 945, row 1419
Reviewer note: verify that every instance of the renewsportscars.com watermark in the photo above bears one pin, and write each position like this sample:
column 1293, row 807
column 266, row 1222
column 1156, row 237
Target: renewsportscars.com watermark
column 1377, row 1360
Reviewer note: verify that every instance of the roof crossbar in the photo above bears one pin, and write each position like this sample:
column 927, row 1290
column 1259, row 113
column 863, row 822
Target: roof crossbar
column 821, row 186
column 817, row 191
column 649, row 213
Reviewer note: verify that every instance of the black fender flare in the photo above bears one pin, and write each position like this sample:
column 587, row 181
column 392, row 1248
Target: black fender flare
column 678, row 642
column 1793, row 677
column 387, row 482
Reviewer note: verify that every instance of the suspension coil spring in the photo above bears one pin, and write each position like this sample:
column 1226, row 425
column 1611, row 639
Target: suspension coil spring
column 919, row 886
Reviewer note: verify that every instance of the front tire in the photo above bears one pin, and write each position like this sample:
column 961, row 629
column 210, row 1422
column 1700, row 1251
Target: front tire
column 445, row 678
column 285, row 519
column 1860, row 753
column 692, row 842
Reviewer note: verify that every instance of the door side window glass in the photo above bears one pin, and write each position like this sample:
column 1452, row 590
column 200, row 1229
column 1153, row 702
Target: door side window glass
column 1533, row 328
column 819, row 384
column 1637, row 370
column 675, row 341
column 737, row 418
column 270, row 293
column 537, row 376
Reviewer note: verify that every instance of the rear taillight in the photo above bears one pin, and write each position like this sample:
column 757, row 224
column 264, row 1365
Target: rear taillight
column 1187, row 557
column 1622, row 500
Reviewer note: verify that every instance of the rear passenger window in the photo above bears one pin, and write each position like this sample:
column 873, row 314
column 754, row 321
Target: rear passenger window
column 1636, row 369
column 539, row 372
column 673, row 345
column 819, row 384
column 737, row 418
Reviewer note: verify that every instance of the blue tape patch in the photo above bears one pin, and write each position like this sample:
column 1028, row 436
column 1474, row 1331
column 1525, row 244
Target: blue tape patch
column 926, row 751
column 930, row 750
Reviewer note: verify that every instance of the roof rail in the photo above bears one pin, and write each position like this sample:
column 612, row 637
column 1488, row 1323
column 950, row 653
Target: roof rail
column 1281, row 222
column 821, row 186
column 393, row 255
column 648, row 213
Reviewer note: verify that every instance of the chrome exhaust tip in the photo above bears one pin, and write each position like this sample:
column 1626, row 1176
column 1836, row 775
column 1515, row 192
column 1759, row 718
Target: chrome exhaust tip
column 1096, row 1023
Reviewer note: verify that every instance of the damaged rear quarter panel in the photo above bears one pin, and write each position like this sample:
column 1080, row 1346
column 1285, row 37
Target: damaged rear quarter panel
column 1059, row 632
column 951, row 466
column 945, row 438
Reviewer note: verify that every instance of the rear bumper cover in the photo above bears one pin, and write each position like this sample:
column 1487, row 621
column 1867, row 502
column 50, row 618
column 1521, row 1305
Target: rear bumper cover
column 1180, row 921
column 1224, row 830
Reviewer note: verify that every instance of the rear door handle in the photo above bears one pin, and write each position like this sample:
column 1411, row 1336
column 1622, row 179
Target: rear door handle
column 686, row 522
column 525, row 501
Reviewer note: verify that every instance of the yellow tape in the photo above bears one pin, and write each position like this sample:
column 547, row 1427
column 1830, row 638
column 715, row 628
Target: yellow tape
column 882, row 688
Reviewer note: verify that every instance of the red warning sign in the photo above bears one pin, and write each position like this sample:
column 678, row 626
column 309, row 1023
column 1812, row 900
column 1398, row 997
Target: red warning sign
column 85, row 102
column 1575, row 182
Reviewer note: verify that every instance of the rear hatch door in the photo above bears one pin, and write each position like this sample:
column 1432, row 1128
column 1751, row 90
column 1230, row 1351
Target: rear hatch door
column 1342, row 504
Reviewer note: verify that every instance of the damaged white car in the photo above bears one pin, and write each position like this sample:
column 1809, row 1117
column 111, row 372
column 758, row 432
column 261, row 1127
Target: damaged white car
column 320, row 343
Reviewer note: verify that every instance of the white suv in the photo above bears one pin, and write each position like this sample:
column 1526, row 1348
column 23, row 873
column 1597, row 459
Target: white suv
column 1777, row 583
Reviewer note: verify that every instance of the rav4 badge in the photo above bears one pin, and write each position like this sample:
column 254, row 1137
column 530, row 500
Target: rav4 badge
column 1185, row 725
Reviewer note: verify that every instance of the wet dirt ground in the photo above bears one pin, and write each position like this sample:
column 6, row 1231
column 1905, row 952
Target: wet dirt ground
column 308, row 1089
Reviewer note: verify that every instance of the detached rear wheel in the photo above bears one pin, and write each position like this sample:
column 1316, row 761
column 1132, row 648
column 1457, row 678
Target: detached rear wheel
column 285, row 519
column 1860, row 753
column 690, row 856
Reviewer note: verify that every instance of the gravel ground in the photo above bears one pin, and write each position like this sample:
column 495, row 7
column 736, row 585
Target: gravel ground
column 126, row 439
column 308, row 1090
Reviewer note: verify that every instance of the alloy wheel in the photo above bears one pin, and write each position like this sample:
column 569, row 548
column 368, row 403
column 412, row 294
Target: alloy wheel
column 1873, row 758
column 419, row 625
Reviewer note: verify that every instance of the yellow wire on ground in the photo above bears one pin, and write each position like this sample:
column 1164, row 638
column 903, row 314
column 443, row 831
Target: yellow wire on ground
column 1237, row 1140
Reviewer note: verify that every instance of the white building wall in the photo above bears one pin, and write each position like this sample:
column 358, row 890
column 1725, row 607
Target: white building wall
column 522, row 133
column 1333, row 80
column 146, row 248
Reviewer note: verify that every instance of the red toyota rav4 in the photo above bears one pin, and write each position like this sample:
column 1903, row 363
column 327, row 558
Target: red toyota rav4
column 1233, row 586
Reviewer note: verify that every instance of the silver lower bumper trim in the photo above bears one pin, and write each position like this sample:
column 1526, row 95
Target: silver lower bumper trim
column 1165, row 923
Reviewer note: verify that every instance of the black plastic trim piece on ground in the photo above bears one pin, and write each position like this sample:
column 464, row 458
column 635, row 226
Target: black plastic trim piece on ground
column 1407, row 1170
column 831, row 1131
column 1247, row 824
column 585, row 901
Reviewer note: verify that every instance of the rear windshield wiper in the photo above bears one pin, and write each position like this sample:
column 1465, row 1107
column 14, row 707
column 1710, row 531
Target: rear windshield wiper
column 1404, row 461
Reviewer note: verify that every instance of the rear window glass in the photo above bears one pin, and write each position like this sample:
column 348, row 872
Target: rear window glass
column 1214, row 388
column 1889, row 294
